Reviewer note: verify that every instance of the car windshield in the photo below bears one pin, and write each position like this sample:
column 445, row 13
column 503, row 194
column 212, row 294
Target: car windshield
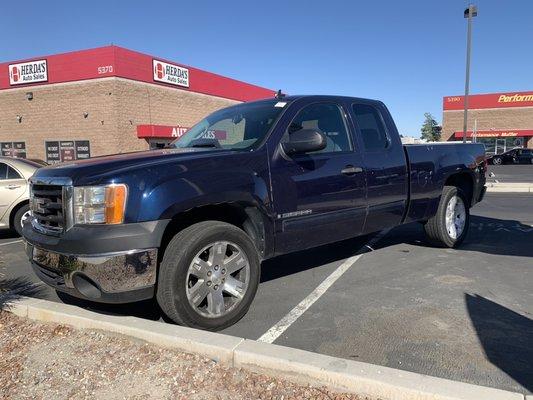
column 238, row 127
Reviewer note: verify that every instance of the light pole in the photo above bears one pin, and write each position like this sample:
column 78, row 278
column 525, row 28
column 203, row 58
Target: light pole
column 469, row 13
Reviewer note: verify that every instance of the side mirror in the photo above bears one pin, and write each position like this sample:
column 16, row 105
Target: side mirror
column 304, row 141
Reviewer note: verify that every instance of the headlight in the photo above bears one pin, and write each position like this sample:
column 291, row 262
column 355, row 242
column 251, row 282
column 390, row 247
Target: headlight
column 100, row 204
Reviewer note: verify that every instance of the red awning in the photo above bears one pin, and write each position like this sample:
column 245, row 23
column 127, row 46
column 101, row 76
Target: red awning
column 497, row 133
column 160, row 131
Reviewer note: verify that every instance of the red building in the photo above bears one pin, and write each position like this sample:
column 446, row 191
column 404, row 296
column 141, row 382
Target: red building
column 106, row 100
column 503, row 120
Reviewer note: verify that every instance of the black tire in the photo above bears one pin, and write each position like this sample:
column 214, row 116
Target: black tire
column 435, row 227
column 184, row 246
column 17, row 219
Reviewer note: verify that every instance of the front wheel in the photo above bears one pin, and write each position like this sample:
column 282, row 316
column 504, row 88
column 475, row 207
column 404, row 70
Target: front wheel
column 21, row 217
column 449, row 226
column 208, row 276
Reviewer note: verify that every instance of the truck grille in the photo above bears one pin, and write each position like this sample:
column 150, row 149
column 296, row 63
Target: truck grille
column 48, row 207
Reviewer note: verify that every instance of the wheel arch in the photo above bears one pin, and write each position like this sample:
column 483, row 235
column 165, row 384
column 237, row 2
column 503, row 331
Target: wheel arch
column 245, row 216
column 14, row 212
column 463, row 181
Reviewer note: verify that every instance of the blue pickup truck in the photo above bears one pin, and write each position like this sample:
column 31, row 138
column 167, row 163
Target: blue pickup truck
column 190, row 224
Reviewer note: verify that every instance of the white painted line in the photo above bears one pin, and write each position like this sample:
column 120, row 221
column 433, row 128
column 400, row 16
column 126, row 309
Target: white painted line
column 274, row 332
column 15, row 241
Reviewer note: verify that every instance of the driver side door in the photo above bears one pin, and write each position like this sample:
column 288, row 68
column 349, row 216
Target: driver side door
column 319, row 197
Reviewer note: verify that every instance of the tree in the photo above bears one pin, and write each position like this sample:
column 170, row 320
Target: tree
column 430, row 130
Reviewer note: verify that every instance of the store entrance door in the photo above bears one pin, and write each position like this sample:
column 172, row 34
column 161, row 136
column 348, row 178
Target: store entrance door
column 159, row 143
column 500, row 146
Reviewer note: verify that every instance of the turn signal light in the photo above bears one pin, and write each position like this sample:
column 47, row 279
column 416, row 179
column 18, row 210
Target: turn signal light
column 115, row 204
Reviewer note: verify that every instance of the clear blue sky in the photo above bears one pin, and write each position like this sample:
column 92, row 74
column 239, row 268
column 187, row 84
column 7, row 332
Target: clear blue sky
column 407, row 53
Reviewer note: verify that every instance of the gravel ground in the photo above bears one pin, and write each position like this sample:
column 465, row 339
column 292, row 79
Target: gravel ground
column 51, row 361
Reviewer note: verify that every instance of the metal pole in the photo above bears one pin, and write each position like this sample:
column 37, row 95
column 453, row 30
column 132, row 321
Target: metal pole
column 467, row 79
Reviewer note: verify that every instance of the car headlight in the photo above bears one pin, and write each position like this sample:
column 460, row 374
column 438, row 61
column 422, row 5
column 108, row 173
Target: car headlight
column 100, row 204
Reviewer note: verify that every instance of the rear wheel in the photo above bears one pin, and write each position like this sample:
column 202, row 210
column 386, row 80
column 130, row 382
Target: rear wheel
column 208, row 276
column 449, row 226
column 21, row 217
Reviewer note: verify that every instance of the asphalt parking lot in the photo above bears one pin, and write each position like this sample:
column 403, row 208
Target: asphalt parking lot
column 461, row 314
column 511, row 173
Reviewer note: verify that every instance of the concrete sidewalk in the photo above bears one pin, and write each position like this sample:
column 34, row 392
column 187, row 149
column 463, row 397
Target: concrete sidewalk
column 510, row 187
column 296, row 365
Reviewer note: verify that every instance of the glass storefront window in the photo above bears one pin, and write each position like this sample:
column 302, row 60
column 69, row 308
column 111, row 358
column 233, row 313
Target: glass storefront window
column 500, row 145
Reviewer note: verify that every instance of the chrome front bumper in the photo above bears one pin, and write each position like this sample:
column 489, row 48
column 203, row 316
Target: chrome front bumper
column 110, row 277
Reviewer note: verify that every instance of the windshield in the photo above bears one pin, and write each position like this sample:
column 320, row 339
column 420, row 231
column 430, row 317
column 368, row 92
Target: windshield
column 237, row 127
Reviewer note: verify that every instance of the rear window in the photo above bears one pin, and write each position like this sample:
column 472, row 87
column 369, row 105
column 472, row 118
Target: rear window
column 12, row 174
column 3, row 171
column 370, row 123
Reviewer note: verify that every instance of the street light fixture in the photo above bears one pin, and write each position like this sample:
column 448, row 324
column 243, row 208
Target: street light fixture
column 469, row 13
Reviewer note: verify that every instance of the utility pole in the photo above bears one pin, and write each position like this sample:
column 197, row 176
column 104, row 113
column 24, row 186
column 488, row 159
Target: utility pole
column 469, row 13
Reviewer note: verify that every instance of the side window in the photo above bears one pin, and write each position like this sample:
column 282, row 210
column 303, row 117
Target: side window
column 12, row 174
column 326, row 118
column 3, row 171
column 371, row 126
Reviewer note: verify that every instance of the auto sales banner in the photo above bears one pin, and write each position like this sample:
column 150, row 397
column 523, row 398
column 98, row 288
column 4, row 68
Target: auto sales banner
column 170, row 73
column 28, row 72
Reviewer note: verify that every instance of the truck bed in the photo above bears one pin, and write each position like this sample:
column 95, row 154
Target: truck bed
column 431, row 164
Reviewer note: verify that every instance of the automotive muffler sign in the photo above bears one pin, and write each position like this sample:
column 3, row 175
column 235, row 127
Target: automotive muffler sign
column 28, row 72
column 170, row 73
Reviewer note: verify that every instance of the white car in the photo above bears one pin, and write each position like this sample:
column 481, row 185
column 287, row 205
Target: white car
column 14, row 191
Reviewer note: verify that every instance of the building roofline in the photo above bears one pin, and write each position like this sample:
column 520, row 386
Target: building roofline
column 80, row 65
column 493, row 93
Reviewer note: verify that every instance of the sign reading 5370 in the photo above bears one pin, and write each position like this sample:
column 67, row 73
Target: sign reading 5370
column 28, row 72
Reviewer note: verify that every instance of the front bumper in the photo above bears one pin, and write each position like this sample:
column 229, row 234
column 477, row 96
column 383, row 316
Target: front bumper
column 109, row 278
column 108, row 264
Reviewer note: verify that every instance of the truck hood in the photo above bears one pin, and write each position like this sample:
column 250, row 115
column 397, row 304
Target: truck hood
column 94, row 170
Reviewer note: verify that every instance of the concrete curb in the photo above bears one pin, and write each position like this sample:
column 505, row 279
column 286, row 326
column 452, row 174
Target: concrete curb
column 291, row 364
column 510, row 187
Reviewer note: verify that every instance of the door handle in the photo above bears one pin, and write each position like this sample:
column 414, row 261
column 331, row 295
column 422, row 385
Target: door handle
column 351, row 170
column 11, row 187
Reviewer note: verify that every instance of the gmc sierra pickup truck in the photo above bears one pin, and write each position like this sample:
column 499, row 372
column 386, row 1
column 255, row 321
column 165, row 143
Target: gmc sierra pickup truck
column 190, row 224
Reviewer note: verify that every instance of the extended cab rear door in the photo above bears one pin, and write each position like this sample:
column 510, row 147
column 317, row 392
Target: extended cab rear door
column 319, row 197
column 384, row 163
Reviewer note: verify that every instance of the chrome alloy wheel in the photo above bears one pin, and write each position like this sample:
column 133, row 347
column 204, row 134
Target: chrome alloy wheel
column 217, row 279
column 455, row 217
column 25, row 217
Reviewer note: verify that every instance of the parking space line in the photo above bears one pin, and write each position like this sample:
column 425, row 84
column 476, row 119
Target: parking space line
column 15, row 241
column 275, row 332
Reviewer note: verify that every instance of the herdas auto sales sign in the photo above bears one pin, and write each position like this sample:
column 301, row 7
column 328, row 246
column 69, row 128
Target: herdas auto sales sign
column 28, row 72
column 170, row 73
